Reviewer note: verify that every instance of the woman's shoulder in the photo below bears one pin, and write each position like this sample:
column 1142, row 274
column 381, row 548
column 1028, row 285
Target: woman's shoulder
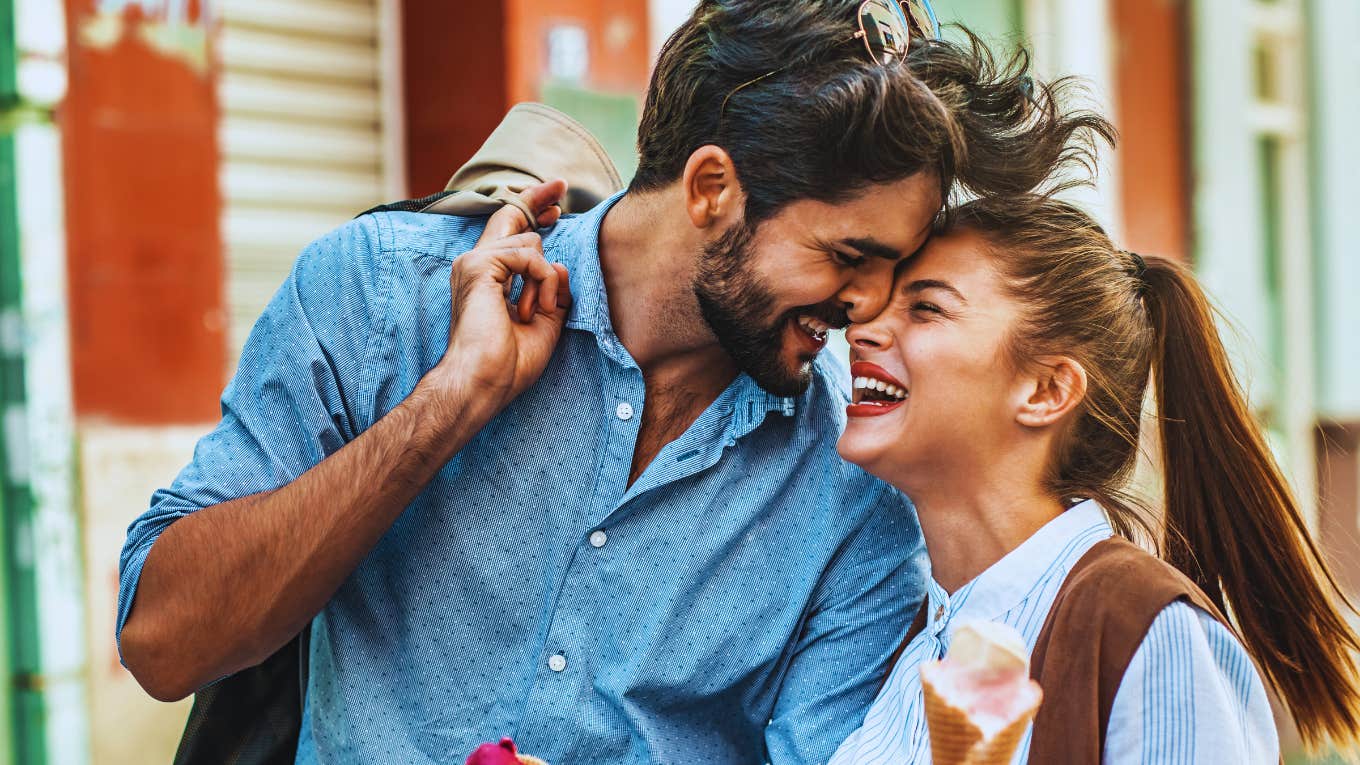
column 1190, row 688
column 1119, row 579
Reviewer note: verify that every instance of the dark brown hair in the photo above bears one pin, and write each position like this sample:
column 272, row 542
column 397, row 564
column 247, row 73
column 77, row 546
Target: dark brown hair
column 1230, row 522
column 813, row 118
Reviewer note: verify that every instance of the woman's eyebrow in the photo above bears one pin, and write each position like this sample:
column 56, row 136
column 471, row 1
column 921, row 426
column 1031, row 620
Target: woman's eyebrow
column 933, row 284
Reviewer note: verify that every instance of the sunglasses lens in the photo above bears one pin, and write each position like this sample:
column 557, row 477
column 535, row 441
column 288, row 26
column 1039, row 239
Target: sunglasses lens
column 922, row 18
column 885, row 29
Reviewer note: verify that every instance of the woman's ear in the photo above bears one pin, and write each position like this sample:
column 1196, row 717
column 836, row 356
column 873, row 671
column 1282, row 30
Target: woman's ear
column 1055, row 387
column 712, row 193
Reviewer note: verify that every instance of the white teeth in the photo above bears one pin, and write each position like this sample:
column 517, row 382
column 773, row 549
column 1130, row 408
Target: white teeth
column 815, row 327
column 869, row 383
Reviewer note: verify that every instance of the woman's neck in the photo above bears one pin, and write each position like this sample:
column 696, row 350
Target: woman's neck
column 970, row 525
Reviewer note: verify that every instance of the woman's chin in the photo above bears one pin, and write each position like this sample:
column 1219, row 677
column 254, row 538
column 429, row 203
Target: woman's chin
column 858, row 449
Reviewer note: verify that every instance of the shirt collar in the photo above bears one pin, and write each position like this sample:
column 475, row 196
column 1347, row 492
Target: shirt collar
column 575, row 243
column 1055, row 548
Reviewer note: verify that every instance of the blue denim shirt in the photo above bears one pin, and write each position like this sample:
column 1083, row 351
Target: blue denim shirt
column 738, row 603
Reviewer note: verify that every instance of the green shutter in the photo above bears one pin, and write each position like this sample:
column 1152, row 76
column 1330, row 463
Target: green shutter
column 21, row 729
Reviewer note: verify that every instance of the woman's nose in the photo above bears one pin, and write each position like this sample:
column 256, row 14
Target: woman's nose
column 871, row 335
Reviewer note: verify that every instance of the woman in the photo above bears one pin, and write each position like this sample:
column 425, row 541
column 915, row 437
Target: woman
column 1001, row 390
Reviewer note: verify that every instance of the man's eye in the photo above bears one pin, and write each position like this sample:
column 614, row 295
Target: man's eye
column 850, row 261
column 924, row 306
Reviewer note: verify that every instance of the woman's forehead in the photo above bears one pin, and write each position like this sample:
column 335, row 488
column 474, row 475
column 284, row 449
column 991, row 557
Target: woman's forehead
column 959, row 253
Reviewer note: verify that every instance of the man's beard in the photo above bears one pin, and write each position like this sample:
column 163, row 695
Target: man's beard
column 737, row 308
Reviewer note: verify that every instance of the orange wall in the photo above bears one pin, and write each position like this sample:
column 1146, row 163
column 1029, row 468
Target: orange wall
column 617, row 29
column 1152, row 103
column 144, row 253
column 454, row 101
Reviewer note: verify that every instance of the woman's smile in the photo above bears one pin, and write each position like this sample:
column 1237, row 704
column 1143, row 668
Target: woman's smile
column 875, row 392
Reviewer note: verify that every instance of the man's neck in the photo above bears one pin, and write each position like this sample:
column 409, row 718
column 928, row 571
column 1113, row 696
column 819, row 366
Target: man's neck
column 648, row 259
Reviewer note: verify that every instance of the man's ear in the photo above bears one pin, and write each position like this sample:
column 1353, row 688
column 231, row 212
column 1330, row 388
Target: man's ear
column 1055, row 387
column 712, row 193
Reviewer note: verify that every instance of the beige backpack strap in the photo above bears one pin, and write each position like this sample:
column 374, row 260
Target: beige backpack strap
column 534, row 143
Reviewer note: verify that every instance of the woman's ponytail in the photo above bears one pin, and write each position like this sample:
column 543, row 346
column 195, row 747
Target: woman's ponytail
column 1232, row 524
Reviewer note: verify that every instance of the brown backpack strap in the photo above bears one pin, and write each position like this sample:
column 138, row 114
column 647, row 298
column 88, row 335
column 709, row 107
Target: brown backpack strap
column 918, row 625
column 1098, row 620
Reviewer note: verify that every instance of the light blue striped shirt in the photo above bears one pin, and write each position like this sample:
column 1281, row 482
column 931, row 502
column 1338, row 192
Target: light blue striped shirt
column 1190, row 695
column 737, row 602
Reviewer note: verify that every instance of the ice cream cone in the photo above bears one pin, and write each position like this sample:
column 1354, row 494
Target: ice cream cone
column 955, row 739
column 525, row 759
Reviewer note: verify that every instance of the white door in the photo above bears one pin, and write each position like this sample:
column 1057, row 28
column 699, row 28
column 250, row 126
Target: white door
column 303, row 140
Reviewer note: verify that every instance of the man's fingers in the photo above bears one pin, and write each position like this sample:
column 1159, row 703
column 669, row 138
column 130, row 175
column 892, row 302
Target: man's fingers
column 527, row 296
column 563, row 285
column 502, row 264
column 549, row 216
column 541, row 196
column 507, row 221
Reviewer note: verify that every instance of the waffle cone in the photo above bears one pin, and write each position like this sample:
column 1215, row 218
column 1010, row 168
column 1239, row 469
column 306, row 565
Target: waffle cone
column 956, row 740
column 525, row 759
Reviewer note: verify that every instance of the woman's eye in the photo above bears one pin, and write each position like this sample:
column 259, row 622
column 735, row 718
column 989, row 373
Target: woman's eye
column 927, row 307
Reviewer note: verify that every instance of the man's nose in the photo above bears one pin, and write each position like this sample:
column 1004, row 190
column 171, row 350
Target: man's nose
column 867, row 293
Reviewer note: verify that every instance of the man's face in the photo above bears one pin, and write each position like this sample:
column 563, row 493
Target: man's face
column 770, row 294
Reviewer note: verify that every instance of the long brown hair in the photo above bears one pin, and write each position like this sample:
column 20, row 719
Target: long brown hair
column 1230, row 521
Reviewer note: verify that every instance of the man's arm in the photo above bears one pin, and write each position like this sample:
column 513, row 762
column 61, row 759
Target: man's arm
column 861, row 610
column 225, row 586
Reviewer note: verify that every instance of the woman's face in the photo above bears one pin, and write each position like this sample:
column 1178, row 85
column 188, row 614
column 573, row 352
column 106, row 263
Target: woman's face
column 939, row 349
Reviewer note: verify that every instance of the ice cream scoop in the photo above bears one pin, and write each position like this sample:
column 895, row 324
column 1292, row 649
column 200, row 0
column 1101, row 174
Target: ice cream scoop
column 501, row 753
column 979, row 697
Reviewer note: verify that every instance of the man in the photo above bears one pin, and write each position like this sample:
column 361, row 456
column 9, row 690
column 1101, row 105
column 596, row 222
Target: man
column 607, row 519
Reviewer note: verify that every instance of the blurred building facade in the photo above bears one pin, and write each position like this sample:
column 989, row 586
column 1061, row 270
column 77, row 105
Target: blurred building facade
column 163, row 161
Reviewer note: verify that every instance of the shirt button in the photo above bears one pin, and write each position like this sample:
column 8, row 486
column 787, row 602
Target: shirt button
column 624, row 411
column 939, row 613
column 598, row 538
column 557, row 662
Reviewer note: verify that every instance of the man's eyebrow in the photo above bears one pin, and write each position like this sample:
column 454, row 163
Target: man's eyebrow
column 873, row 247
column 935, row 284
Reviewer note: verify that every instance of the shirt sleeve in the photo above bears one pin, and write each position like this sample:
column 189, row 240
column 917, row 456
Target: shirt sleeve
column 1191, row 695
column 859, row 616
column 299, row 394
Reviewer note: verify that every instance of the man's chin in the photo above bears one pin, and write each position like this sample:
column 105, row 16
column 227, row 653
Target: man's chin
column 785, row 380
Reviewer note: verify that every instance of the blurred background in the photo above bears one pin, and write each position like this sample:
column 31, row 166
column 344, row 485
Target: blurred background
column 163, row 161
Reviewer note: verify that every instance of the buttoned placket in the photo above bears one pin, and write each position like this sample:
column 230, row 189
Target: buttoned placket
column 565, row 670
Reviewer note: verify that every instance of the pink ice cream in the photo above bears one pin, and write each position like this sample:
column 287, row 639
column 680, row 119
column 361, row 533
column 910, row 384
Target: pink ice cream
column 501, row 753
column 979, row 698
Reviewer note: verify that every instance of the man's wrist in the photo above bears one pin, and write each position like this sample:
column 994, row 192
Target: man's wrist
column 454, row 399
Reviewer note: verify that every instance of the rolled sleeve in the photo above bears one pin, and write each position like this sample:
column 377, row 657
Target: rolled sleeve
column 861, row 612
column 300, row 392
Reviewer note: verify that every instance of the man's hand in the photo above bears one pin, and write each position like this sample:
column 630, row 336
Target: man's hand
column 225, row 586
column 497, row 348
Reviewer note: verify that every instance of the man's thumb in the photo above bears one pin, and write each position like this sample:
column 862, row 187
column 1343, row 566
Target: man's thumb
column 510, row 219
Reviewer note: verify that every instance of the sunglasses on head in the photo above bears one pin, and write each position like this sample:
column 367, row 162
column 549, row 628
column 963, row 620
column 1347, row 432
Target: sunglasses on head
column 886, row 27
